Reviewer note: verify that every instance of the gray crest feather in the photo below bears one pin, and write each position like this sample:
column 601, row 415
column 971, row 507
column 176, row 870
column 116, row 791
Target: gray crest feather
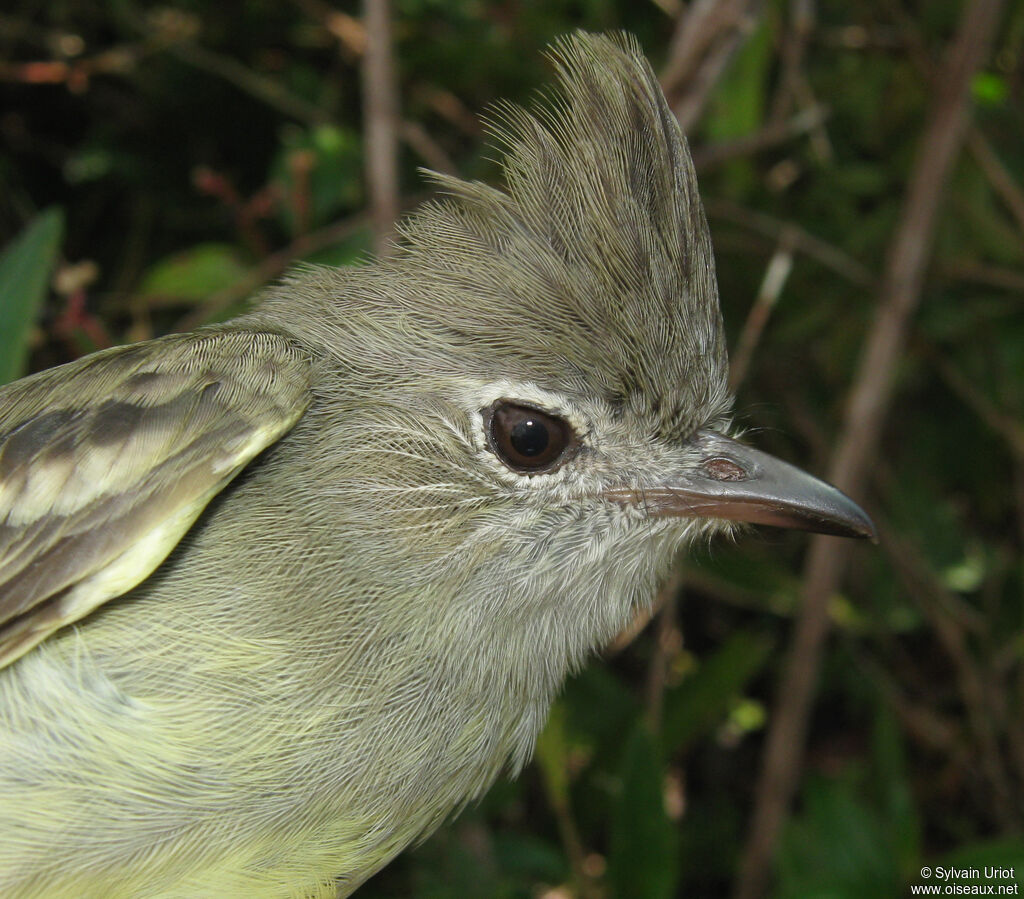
column 601, row 237
column 592, row 273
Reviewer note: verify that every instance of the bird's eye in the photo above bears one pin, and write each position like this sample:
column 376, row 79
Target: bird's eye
column 528, row 440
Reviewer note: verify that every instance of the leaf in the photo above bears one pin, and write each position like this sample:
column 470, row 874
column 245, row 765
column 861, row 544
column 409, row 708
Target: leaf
column 643, row 862
column 192, row 275
column 1004, row 854
column 893, row 787
column 704, row 699
column 530, row 857
column 599, row 709
column 837, row 847
column 25, row 268
column 320, row 173
column 552, row 756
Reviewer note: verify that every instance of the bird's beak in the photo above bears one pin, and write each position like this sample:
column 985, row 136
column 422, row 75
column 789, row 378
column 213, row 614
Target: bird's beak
column 739, row 483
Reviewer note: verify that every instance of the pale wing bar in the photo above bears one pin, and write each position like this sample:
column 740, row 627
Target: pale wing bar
column 106, row 463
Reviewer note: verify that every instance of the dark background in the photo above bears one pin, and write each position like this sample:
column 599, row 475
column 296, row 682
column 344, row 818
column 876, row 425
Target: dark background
column 159, row 163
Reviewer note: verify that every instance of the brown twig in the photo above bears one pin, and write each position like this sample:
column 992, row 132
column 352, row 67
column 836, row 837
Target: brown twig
column 938, row 732
column 1001, row 423
column 641, row 618
column 814, row 247
column 791, row 58
column 794, row 88
column 983, row 273
column 1018, row 492
column 418, row 139
column 268, row 90
column 667, row 644
column 707, row 35
column 899, row 295
column 710, row 155
column 1011, row 431
column 978, row 692
column 347, row 30
column 998, row 175
column 380, row 115
column 775, row 277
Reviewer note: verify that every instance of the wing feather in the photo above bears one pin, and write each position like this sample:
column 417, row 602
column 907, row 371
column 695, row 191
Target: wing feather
column 105, row 463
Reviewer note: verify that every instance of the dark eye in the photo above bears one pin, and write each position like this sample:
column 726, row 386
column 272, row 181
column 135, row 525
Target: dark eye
column 526, row 439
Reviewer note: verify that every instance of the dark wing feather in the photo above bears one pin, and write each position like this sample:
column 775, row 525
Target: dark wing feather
column 105, row 463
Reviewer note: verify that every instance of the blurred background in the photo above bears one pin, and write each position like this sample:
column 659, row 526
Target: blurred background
column 798, row 716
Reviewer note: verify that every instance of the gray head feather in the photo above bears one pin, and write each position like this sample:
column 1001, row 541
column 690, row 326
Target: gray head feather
column 593, row 274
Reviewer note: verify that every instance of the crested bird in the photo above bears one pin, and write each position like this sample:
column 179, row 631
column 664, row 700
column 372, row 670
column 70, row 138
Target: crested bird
column 279, row 595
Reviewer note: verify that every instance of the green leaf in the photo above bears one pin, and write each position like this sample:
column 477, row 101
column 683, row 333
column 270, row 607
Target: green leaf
column 705, row 698
column 989, row 89
column 643, row 862
column 893, row 788
column 552, row 756
column 193, row 274
column 1000, row 854
column 530, row 856
column 320, row 174
column 599, row 709
column 25, row 268
column 838, row 847
column 737, row 107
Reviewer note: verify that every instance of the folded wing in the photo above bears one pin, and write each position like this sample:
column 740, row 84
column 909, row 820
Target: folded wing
column 106, row 463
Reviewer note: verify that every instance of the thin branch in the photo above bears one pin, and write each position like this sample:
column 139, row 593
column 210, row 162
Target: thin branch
column 271, row 92
column 899, row 295
column 710, row 155
column 380, row 115
column 667, row 644
column 794, row 87
column 1001, row 423
column 922, row 722
column 814, row 247
column 347, row 30
column 775, row 277
column 418, row 139
column 997, row 174
column 983, row 273
column 641, row 618
column 791, row 56
column 979, row 694
column 706, row 37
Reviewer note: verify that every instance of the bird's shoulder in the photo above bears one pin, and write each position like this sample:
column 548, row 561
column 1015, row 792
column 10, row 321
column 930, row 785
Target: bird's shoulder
column 106, row 462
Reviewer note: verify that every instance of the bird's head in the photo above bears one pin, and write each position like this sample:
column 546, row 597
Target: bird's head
column 535, row 408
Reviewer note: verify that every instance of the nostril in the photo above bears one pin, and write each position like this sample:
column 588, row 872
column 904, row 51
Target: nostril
column 722, row 469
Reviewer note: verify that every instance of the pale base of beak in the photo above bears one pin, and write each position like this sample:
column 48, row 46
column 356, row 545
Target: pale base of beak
column 736, row 482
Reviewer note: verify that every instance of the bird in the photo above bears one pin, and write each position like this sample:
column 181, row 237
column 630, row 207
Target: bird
column 281, row 595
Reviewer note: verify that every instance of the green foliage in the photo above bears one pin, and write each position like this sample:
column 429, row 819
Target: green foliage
column 1007, row 853
column 321, row 168
column 703, row 700
column 857, row 834
column 837, row 847
column 25, row 268
column 643, row 861
column 191, row 275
